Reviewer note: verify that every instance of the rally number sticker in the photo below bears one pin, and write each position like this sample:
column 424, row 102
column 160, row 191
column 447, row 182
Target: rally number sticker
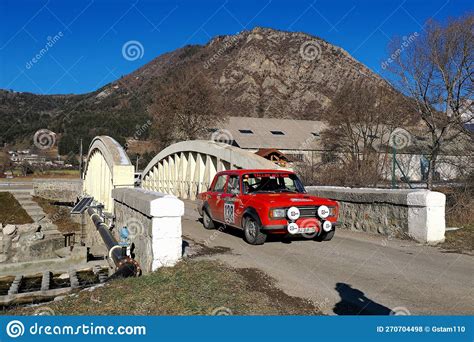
column 229, row 212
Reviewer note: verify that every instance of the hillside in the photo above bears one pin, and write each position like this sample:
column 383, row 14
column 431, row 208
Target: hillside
column 262, row 72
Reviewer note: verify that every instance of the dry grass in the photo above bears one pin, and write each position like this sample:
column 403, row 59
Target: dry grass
column 460, row 213
column 59, row 215
column 461, row 240
column 190, row 288
column 67, row 174
column 11, row 212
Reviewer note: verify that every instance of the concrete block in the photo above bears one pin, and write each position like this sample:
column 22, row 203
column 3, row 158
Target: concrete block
column 149, row 203
column 166, row 252
column 154, row 220
column 426, row 216
column 166, row 227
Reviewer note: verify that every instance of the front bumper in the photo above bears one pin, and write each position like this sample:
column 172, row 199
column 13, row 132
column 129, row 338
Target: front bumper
column 282, row 228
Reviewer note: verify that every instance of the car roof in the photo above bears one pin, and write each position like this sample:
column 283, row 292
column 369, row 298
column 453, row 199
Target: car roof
column 242, row 171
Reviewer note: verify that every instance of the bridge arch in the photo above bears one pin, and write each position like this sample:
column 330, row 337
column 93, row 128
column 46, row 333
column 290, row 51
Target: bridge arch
column 186, row 168
column 107, row 167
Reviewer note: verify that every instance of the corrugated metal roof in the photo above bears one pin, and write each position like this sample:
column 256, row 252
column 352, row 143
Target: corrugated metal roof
column 288, row 134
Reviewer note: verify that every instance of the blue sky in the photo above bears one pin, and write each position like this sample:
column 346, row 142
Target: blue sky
column 86, row 36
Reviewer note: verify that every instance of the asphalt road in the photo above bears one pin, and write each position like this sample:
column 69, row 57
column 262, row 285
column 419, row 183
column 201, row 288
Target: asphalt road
column 355, row 273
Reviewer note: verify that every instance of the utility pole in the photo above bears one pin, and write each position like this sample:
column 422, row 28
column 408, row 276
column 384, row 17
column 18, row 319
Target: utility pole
column 136, row 164
column 80, row 159
column 394, row 163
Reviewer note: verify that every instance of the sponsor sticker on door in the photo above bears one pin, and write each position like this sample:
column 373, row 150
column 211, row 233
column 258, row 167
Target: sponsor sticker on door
column 229, row 212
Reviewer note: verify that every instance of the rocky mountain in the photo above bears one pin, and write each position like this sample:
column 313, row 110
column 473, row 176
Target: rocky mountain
column 262, row 72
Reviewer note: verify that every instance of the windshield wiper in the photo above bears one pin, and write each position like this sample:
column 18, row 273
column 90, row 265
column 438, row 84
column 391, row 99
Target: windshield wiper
column 287, row 190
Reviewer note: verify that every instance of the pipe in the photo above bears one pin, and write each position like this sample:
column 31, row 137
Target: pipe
column 125, row 266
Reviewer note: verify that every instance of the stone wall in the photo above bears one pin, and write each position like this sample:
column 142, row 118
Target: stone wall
column 90, row 235
column 397, row 213
column 154, row 222
column 27, row 242
column 58, row 190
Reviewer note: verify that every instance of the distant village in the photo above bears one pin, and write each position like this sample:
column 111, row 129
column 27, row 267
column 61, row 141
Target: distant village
column 29, row 161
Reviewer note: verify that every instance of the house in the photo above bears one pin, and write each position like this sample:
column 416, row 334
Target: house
column 295, row 139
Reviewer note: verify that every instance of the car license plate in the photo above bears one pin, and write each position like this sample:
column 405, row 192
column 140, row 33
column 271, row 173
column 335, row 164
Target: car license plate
column 306, row 230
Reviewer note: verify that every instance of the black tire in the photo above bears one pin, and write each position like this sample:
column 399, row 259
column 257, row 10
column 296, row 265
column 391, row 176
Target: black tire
column 325, row 236
column 207, row 221
column 252, row 232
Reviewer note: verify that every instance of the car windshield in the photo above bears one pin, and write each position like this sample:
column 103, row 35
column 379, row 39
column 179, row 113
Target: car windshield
column 271, row 182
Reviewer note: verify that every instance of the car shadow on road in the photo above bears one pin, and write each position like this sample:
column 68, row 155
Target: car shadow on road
column 354, row 302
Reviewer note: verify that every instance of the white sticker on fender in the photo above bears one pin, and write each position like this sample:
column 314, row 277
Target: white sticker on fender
column 229, row 212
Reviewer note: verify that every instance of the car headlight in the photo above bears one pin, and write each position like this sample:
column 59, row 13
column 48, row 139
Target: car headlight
column 327, row 226
column 323, row 211
column 277, row 213
column 292, row 228
column 293, row 213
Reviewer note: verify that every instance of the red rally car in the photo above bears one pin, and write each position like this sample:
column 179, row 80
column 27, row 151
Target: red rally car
column 265, row 202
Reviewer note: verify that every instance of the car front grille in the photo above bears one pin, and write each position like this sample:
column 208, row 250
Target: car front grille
column 310, row 211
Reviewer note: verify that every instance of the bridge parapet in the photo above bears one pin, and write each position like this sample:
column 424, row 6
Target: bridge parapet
column 108, row 167
column 154, row 222
column 186, row 168
column 419, row 214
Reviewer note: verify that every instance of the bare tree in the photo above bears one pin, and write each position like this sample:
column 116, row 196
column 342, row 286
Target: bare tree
column 5, row 162
column 361, row 118
column 185, row 107
column 437, row 72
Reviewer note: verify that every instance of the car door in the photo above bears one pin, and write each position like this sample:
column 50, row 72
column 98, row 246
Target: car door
column 216, row 203
column 231, row 200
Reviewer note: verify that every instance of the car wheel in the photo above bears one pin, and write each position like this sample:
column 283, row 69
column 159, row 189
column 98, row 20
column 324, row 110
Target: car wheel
column 252, row 232
column 207, row 221
column 325, row 236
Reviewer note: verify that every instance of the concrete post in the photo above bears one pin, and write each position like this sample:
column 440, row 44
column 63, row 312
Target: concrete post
column 426, row 216
column 154, row 222
column 167, row 243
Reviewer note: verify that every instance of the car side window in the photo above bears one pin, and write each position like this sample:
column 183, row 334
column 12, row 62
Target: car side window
column 290, row 184
column 233, row 186
column 220, row 183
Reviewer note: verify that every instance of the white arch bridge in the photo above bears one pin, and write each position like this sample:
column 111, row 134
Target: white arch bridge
column 183, row 169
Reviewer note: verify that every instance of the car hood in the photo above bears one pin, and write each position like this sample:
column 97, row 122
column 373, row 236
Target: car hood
column 289, row 200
